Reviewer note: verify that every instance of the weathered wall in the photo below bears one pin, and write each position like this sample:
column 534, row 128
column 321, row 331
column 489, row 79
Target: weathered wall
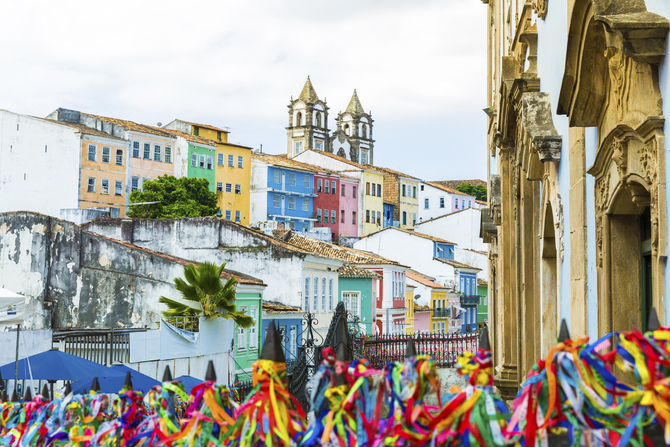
column 72, row 278
column 217, row 240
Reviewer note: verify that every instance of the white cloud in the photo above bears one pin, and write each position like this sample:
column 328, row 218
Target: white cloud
column 417, row 64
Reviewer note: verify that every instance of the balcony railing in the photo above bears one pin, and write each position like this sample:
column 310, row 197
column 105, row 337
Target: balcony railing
column 471, row 299
column 440, row 313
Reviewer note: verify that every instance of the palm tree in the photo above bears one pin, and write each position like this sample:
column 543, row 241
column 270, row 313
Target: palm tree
column 203, row 285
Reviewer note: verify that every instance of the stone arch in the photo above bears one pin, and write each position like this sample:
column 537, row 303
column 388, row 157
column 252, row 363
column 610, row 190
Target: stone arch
column 298, row 119
column 318, row 119
column 341, row 153
column 550, row 279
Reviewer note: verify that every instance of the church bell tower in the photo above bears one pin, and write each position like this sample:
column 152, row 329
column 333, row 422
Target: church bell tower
column 307, row 122
column 355, row 127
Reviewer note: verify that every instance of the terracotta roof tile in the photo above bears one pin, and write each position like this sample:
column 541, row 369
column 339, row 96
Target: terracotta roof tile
column 191, row 138
column 482, row 282
column 456, row 264
column 349, row 271
column 277, row 160
column 479, row 252
column 426, row 282
column 132, row 126
column 420, row 308
column 272, row 307
column 414, row 233
column 83, row 129
column 204, row 126
column 481, row 202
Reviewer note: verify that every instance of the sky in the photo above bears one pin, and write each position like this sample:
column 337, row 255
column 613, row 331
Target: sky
column 419, row 66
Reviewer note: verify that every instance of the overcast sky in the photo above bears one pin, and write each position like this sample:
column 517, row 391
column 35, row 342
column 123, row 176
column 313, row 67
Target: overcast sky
column 418, row 65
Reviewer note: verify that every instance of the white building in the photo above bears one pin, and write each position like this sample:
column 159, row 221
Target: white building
column 436, row 200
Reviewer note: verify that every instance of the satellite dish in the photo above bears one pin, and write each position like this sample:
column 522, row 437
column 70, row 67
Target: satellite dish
column 159, row 124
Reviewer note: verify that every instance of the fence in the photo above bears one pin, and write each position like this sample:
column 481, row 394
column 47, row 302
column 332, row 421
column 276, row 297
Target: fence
column 443, row 348
column 104, row 346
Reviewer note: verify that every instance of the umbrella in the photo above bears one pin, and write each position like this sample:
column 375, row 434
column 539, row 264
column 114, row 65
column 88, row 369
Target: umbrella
column 56, row 365
column 113, row 384
column 189, row 382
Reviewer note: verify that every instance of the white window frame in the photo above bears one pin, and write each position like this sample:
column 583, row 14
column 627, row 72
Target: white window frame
column 253, row 332
column 277, row 177
column 194, row 160
column 292, row 179
column 210, row 162
column 305, row 181
column 119, row 161
column 240, row 161
column 90, row 186
column 305, row 204
column 219, row 186
column 298, row 147
column 333, row 216
column 146, row 153
column 118, row 187
column 238, row 216
column 323, row 293
column 136, row 149
column 231, row 161
column 219, row 159
column 168, row 154
column 108, row 154
column 238, row 189
column 229, row 214
column 157, row 153
column 333, row 187
column 104, row 186
column 293, row 340
column 229, row 187
column 315, row 295
column 352, row 302
column 276, row 201
column 241, row 333
column 331, row 288
column 307, row 291
column 134, row 184
column 202, row 159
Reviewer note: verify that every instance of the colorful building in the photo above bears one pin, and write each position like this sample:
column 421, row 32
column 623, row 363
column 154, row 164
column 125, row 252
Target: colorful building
column 249, row 299
column 401, row 197
column 422, row 319
column 436, row 295
column 282, row 191
column 336, row 203
column 409, row 308
column 288, row 320
column 435, row 200
column 231, row 168
column 483, row 307
column 358, row 289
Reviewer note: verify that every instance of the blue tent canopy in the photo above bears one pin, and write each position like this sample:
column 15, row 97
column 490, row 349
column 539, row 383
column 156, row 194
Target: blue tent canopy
column 189, row 382
column 56, row 365
column 114, row 383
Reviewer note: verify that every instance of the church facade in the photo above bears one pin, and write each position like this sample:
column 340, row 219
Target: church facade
column 308, row 128
column 577, row 218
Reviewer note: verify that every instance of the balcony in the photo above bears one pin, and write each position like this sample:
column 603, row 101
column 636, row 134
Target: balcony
column 440, row 313
column 471, row 300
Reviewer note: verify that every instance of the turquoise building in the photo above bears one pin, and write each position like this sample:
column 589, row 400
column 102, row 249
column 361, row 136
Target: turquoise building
column 247, row 342
column 483, row 307
column 359, row 292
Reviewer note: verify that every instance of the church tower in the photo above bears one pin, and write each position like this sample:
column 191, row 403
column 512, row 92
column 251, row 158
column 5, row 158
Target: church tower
column 353, row 137
column 307, row 122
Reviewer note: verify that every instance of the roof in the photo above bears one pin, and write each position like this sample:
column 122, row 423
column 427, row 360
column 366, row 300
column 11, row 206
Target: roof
column 277, row 160
column 132, row 126
column 392, row 172
column 420, row 308
column 482, row 282
column 204, row 126
column 241, row 277
column 481, row 202
column 272, row 307
column 456, row 183
column 444, row 188
column 191, row 138
column 343, row 160
column 354, row 106
column 350, row 255
column 424, row 281
column 414, row 233
column 479, row 252
column 445, row 215
column 349, row 271
column 83, row 129
column 308, row 94
column 456, row 264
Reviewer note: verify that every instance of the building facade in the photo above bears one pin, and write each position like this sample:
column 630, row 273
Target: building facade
column 577, row 156
column 437, row 200
column 358, row 290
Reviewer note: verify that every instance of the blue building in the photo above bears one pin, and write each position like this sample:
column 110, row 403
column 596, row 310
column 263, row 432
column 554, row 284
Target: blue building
column 467, row 286
column 289, row 323
column 282, row 191
column 388, row 215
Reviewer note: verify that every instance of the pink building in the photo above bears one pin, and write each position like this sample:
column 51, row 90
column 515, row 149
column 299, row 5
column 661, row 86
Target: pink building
column 349, row 197
column 421, row 319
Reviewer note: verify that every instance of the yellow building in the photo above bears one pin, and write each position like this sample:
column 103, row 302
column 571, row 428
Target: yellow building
column 439, row 301
column 402, row 192
column 373, row 202
column 409, row 308
column 232, row 169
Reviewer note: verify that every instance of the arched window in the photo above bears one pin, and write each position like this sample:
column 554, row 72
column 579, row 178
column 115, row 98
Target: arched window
column 365, row 131
column 346, row 129
column 298, row 119
column 318, row 119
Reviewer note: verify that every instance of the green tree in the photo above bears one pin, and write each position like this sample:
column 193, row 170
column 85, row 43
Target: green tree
column 176, row 197
column 478, row 191
column 204, row 286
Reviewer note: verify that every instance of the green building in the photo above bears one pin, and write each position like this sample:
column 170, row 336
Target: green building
column 358, row 291
column 483, row 307
column 247, row 343
column 201, row 163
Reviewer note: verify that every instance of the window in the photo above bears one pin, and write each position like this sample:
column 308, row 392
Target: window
column 414, row 192
column 353, row 217
column 342, row 187
column 316, row 294
column 403, row 190
column 168, row 154
column 291, row 179
column 277, row 177
column 367, row 188
column 104, row 186
column 425, row 204
column 319, row 185
column 373, row 217
column 364, row 158
column 219, row 159
column 298, row 147
column 241, row 333
column 326, row 187
column 293, row 340
column 134, row 184
column 240, row 162
column 323, row 294
column 230, row 160
column 253, row 335
column 352, row 302
column 318, row 214
column 291, row 225
column 305, row 226
column 469, row 203
column 276, row 201
column 404, row 217
column 147, row 151
column 333, row 187
column 92, row 148
column 194, row 160
column 228, row 214
column 413, row 218
column 317, row 145
column 219, row 186
column 91, row 184
column 238, row 189
column 291, row 203
column 456, row 203
column 354, row 192
column 433, row 326
column 367, row 216
column 333, row 216
column 229, row 187
column 379, row 218
column 305, row 204
column 463, row 204
column 307, row 294
column 305, row 181
column 136, row 149
column 325, row 216
column 441, row 202
column 379, row 190
column 342, row 216
column 330, row 294
column 202, row 160
column 157, row 152
column 210, row 162
column 318, row 119
column 374, row 187
column 105, row 154
column 196, row 131
column 238, row 216
column 119, row 157
column 118, row 188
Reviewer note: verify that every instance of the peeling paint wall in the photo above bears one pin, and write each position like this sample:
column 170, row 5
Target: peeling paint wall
column 72, row 278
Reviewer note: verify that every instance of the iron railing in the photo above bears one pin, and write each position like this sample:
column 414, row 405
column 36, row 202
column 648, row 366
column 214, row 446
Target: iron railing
column 471, row 299
column 104, row 346
column 440, row 313
column 443, row 348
